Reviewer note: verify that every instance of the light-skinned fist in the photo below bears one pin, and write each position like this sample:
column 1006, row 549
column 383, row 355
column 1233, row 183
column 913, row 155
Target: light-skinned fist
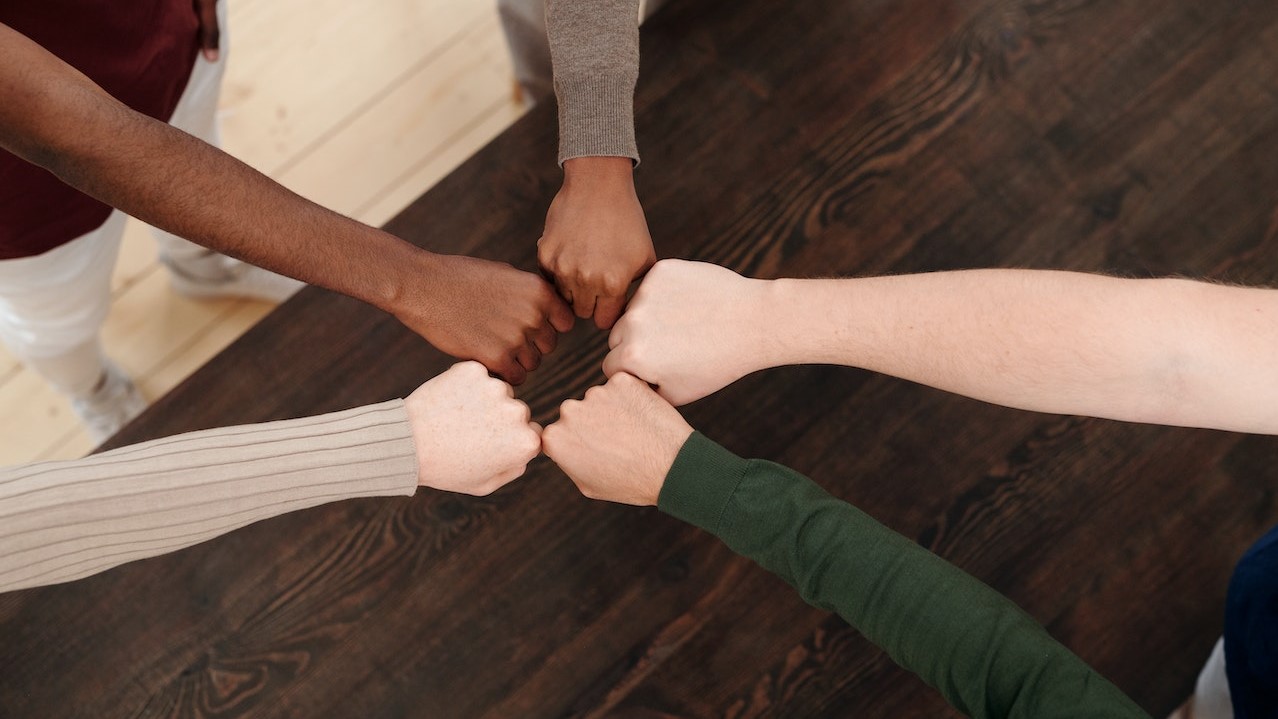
column 596, row 240
column 472, row 436
column 691, row 329
column 619, row 442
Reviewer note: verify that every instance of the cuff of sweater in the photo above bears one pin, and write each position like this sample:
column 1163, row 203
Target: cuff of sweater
column 596, row 117
column 383, row 454
column 701, row 482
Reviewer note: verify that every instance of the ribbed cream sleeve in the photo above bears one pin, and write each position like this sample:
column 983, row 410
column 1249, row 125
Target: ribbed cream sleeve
column 61, row 521
column 594, row 49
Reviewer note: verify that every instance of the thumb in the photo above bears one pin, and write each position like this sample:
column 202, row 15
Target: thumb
column 619, row 359
column 210, row 33
column 674, row 398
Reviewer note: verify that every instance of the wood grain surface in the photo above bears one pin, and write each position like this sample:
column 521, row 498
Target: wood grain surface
column 813, row 138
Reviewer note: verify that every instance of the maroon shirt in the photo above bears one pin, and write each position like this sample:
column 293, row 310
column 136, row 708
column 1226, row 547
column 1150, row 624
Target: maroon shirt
column 140, row 51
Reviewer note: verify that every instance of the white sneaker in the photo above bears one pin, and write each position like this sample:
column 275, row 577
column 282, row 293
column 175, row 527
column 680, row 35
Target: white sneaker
column 216, row 276
column 113, row 404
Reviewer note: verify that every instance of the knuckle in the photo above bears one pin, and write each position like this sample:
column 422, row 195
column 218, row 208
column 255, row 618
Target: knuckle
column 513, row 370
column 550, row 440
column 629, row 360
column 554, row 446
column 481, row 489
column 674, row 264
column 519, row 411
column 470, row 367
column 631, row 352
column 493, row 361
column 614, row 284
column 577, row 276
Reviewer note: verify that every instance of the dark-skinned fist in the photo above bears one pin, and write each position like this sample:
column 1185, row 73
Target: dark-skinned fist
column 596, row 240
column 504, row 318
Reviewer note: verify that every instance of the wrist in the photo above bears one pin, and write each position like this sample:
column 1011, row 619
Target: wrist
column 775, row 321
column 401, row 272
column 418, row 413
column 584, row 173
column 825, row 322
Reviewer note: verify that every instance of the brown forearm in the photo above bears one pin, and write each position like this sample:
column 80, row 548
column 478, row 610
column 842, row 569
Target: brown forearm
column 174, row 181
column 57, row 118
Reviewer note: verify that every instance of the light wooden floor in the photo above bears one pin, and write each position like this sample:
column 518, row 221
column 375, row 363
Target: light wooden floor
column 360, row 107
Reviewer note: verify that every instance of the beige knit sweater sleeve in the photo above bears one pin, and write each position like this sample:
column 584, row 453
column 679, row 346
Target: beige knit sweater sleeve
column 594, row 49
column 61, row 521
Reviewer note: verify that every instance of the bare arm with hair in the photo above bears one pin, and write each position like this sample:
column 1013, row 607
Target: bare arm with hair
column 1162, row 351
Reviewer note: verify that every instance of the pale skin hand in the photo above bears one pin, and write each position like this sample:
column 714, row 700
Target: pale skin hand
column 691, row 329
column 618, row 443
column 596, row 240
column 472, row 436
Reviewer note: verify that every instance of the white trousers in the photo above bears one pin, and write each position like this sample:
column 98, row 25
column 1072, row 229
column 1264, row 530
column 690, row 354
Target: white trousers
column 53, row 305
column 1211, row 692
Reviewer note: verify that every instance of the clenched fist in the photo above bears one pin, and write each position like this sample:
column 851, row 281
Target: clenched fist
column 472, row 436
column 596, row 240
column 505, row 318
column 619, row 442
column 691, row 329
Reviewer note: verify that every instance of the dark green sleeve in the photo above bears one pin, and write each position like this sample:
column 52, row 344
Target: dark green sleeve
column 986, row 656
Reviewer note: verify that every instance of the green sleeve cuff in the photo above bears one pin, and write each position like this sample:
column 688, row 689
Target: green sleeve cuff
column 701, row 482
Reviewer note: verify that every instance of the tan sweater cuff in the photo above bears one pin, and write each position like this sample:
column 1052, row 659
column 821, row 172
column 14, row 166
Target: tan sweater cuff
column 596, row 117
column 65, row 520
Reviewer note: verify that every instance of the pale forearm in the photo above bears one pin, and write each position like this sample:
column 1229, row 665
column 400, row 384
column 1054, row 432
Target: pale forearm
column 1164, row 351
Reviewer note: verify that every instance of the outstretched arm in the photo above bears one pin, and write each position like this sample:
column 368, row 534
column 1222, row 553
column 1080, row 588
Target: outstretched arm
column 462, row 431
column 986, row 656
column 596, row 240
column 55, row 117
column 1164, row 351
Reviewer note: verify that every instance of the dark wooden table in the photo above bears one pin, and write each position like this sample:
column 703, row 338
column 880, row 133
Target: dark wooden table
column 817, row 137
